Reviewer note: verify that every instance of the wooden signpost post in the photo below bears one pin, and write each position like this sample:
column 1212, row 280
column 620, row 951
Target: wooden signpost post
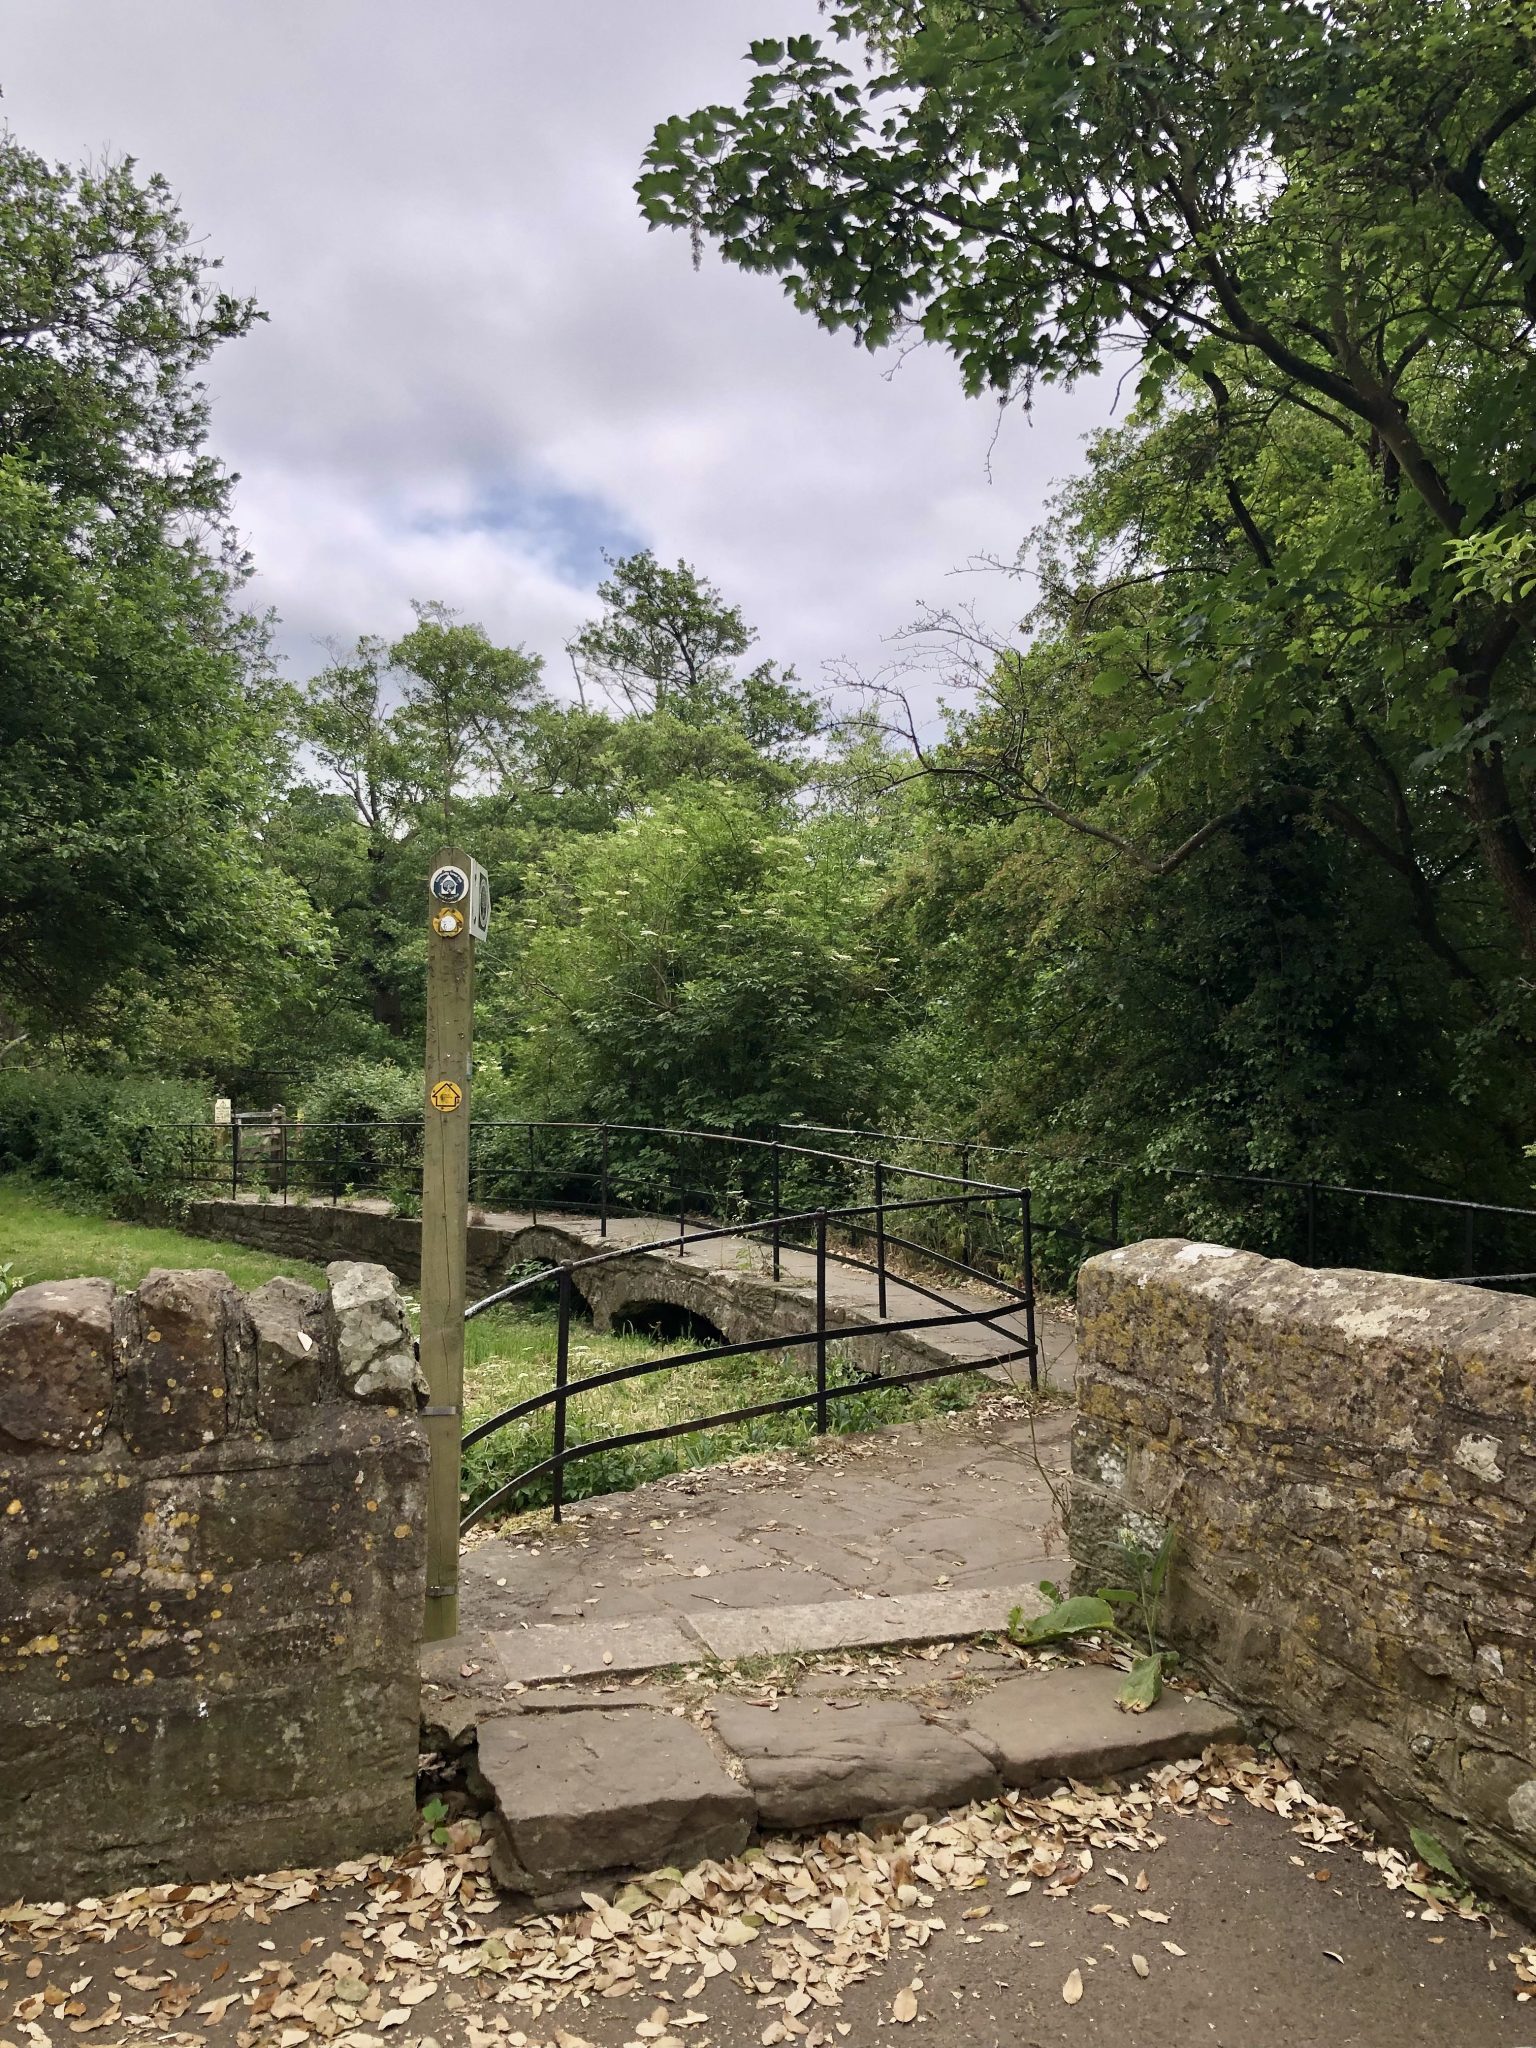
column 458, row 912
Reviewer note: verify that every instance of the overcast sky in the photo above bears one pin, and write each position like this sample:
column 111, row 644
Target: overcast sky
column 480, row 369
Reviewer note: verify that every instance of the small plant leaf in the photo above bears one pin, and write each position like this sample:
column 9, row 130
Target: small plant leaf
column 1433, row 1852
column 1143, row 1686
column 1071, row 1618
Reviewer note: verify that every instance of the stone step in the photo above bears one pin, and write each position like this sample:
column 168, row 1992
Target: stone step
column 586, row 1788
column 1048, row 1725
column 546, row 1652
column 813, row 1762
column 583, row 1794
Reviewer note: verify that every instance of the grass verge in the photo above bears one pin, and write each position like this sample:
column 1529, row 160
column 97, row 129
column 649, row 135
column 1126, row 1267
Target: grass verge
column 42, row 1238
column 511, row 1356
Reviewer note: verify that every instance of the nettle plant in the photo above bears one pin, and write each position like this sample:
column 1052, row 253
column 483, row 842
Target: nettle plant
column 1130, row 1613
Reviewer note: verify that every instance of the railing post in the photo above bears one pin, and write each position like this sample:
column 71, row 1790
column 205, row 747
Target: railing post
column 880, row 1233
column 234, row 1157
column 968, row 1235
column 1030, row 1339
column 1114, row 1219
column 1471, row 1260
column 682, row 1199
column 533, row 1182
column 821, row 1322
column 778, row 1203
column 562, row 1373
column 282, row 1158
column 1311, row 1222
column 603, row 1212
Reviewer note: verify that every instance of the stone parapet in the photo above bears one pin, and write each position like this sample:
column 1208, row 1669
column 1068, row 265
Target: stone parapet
column 1349, row 1462
column 212, row 1569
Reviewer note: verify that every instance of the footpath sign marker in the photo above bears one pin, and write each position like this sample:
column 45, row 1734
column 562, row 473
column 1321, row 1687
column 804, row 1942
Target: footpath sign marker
column 457, row 917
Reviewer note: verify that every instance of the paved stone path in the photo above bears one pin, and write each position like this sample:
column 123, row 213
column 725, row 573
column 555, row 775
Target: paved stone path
column 908, row 1534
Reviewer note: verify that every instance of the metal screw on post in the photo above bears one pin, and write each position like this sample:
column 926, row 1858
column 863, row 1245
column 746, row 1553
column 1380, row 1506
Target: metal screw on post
column 562, row 1374
column 821, row 1322
column 1030, row 1338
column 880, row 1233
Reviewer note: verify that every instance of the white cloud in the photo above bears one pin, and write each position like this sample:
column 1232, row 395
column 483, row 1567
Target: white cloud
column 479, row 367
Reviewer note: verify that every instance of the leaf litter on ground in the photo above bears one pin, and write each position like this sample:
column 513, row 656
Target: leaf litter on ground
column 792, row 1924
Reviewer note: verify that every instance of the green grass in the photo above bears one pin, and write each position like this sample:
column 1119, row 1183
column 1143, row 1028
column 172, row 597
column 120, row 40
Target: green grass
column 43, row 1239
column 511, row 1355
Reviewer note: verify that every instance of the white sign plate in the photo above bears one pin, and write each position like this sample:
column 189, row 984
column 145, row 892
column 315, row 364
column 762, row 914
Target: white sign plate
column 479, row 901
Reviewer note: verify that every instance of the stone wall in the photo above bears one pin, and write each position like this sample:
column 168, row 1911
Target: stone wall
column 212, row 1569
column 1349, row 1460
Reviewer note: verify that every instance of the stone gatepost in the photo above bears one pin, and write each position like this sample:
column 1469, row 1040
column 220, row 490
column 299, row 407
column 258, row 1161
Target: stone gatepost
column 212, row 1568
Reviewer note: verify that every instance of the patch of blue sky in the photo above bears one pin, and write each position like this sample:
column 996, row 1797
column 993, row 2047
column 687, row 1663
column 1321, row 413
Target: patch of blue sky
column 569, row 530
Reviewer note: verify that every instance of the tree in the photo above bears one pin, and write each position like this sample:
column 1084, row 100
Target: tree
column 140, row 726
column 107, row 311
column 702, row 966
column 667, row 649
column 1290, row 209
column 419, row 741
column 463, row 713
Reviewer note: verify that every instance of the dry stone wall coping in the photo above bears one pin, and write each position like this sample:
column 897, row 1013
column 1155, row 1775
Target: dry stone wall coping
column 212, row 1565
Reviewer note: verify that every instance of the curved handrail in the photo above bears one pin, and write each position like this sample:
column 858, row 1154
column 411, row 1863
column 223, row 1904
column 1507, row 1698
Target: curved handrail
column 674, row 1239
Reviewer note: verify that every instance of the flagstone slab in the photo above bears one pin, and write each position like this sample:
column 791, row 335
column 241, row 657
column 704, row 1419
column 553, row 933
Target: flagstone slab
column 581, row 1794
column 866, row 1624
column 1058, row 1724
column 812, row 1762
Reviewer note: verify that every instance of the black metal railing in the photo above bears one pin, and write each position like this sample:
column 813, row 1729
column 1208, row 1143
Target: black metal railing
column 823, row 1237
column 1081, row 1206
column 1315, row 1222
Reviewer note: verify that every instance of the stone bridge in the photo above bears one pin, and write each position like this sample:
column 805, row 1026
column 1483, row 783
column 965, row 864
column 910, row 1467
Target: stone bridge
column 723, row 1286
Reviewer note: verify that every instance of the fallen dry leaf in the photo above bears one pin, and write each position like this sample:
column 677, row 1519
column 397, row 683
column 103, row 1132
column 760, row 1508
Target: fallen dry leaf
column 1141, row 1966
column 1072, row 1990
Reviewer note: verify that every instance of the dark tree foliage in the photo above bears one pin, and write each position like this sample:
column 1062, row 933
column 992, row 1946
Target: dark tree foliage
column 138, row 725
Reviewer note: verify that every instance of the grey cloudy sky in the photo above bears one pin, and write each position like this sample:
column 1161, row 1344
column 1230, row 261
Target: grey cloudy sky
column 479, row 369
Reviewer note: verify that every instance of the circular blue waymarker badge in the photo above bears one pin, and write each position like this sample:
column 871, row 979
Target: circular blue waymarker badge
column 449, row 885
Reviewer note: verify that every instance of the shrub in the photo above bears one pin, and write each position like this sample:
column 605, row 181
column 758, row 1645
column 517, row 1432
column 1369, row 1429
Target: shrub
column 111, row 1139
column 358, row 1091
